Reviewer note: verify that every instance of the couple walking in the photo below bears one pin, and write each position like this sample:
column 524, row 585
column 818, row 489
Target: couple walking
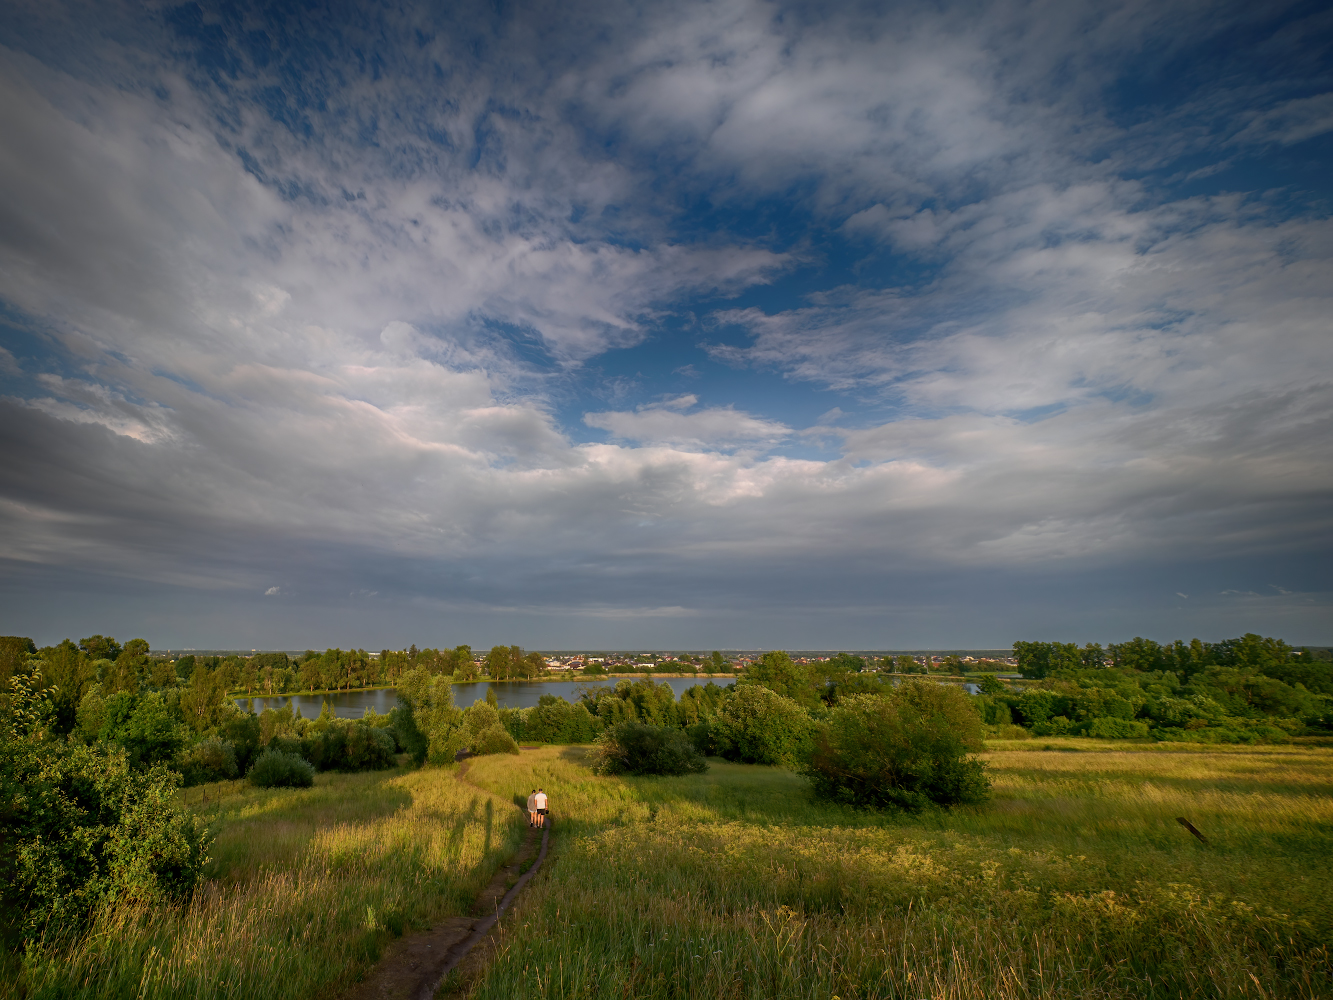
column 537, row 808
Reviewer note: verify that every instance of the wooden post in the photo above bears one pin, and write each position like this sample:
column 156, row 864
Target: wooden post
column 1190, row 827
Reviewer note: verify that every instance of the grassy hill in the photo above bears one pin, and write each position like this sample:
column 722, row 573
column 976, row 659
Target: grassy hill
column 1074, row 881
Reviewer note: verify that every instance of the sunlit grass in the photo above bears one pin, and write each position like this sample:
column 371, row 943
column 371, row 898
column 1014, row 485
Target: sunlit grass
column 305, row 887
column 1075, row 880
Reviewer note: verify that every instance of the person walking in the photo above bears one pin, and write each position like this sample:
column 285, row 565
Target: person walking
column 540, row 801
column 532, row 808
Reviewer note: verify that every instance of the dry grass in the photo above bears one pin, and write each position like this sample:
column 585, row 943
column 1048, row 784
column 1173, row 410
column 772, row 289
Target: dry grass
column 1074, row 881
column 306, row 886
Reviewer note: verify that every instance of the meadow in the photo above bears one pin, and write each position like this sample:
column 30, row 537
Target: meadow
column 304, row 888
column 1074, row 880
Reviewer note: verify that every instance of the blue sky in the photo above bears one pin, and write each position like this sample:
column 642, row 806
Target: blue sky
column 693, row 325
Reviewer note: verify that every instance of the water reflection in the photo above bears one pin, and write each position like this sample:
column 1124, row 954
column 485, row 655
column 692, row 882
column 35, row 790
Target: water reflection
column 509, row 694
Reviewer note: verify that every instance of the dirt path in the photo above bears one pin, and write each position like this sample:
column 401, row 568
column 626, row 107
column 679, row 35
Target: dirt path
column 414, row 966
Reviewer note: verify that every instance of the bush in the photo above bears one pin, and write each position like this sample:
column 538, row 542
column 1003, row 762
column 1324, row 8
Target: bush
column 208, row 760
column 494, row 739
column 639, row 748
column 757, row 726
column 278, row 769
column 343, row 745
column 80, row 827
column 1117, row 729
column 903, row 751
column 480, row 717
column 367, row 748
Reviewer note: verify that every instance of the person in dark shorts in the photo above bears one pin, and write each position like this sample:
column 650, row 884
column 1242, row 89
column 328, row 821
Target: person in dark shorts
column 539, row 800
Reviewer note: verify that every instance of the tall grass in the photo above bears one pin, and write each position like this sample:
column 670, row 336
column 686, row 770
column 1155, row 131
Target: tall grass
column 1074, row 881
column 306, row 887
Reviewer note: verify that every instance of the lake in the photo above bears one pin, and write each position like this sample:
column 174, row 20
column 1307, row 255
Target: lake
column 510, row 694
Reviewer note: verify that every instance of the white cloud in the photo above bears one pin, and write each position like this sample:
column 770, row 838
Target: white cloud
column 718, row 426
column 344, row 377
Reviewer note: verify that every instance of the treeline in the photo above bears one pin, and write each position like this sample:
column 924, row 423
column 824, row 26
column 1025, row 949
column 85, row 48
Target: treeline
column 333, row 669
column 1248, row 689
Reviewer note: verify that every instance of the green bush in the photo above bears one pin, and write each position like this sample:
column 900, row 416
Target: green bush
column 79, row 826
column 912, row 748
column 758, row 726
column 480, row 717
column 1111, row 728
column 279, row 769
column 208, row 760
column 639, row 748
column 494, row 739
column 144, row 726
column 343, row 745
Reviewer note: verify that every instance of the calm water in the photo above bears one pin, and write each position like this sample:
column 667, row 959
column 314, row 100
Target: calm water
column 510, row 694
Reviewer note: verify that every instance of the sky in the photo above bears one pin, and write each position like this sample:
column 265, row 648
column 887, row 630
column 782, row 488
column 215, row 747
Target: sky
column 665, row 325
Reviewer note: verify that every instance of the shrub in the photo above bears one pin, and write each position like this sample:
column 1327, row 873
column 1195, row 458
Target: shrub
column 208, row 760
column 480, row 717
column 143, row 725
column 278, row 769
column 438, row 734
column 80, row 827
column 494, row 739
column 343, row 745
column 1117, row 729
column 757, row 726
column 903, row 751
column 367, row 748
column 639, row 748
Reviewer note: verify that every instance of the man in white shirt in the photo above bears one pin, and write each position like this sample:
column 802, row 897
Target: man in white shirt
column 532, row 808
column 539, row 800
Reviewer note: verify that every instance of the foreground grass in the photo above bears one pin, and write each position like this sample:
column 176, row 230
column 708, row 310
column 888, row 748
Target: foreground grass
column 1074, row 881
column 305, row 887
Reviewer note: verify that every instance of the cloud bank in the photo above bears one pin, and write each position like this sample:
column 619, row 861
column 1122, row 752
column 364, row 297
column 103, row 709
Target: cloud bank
column 437, row 326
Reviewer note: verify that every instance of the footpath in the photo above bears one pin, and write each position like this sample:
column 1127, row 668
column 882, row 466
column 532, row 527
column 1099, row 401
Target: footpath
column 415, row 965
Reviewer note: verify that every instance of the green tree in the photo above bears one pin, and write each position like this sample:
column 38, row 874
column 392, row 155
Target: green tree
column 429, row 700
column 185, row 667
column 1138, row 654
column 1041, row 659
column 777, row 672
column 100, row 647
column 463, row 666
column 14, row 653
column 203, row 703
column 915, row 747
column 759, row 726
column 533, row 665
column 499, row 663
column 641, row 749
column 144, row 727
column 80, row 827
column 70, row 673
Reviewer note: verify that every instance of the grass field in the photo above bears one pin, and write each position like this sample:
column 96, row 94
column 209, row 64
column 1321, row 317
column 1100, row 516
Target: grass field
column 1075, row 880
column 305, row 887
